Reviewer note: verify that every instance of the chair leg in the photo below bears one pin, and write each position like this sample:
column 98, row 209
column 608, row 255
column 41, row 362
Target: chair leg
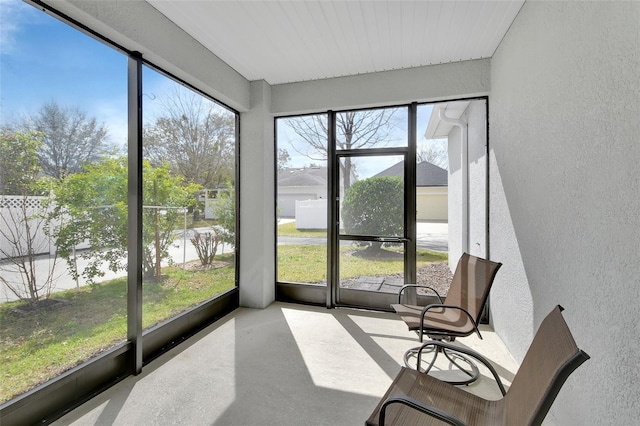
column 413, row 353
column 471, row 369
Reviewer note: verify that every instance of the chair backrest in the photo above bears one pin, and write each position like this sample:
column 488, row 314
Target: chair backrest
column 471, row 283
column 551, row 358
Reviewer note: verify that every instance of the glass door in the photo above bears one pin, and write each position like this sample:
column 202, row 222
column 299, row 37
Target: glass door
column 372, row 251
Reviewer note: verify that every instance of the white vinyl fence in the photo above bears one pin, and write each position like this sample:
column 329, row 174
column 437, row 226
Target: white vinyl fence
column 311, row 214
column 16, row 212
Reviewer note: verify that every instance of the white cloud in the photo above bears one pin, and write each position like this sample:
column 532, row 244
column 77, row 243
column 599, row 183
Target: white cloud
column 13, row 14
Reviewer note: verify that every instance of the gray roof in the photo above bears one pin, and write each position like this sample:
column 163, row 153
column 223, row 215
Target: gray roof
column 308, row 176
column 427, row 174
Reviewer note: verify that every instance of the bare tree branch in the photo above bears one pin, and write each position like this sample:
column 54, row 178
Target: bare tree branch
column 70, row 139
column 434, row 152
column 195, row 137
column 354, row 130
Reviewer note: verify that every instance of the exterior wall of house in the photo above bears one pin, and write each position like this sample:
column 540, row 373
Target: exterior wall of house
column 565, row 179
column 455, row 196
column 475, row 117
column 431, row 203
column 288, row 195
column 477, row 157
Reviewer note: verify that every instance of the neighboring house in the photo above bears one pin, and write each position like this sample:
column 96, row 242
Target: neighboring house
column 464, row 126
column 431, row 189
column 298, row 184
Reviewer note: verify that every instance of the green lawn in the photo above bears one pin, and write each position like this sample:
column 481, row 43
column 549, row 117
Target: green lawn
column 308, row 263
column 289, row 230
column 39, row 345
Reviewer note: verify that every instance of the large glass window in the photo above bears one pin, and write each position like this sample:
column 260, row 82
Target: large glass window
column 64, row 184
column 189, row 198
column 63, row 198
column 374, row 241
column 432, row 197
column 302, row 179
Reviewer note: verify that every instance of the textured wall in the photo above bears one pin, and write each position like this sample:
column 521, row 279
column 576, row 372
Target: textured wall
column 455, row 196
column 257, row 201
column 565, row 185
column 477, row 136
column 431, row 83
column 476, row 118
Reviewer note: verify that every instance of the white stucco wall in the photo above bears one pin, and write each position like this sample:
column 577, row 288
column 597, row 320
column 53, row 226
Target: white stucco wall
column 456, row 215
column 257, row 201
column 446, row 81
column 477, row 148
column 475, row 117
column 565, row 194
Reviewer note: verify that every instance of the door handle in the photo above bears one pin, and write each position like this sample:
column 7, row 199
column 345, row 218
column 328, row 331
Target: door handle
column 391, row 239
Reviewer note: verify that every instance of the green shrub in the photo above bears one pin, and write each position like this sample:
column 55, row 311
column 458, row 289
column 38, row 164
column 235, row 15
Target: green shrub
column 374, row 206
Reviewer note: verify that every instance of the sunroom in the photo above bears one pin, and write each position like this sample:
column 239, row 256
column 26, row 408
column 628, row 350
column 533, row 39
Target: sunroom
column 535, row 103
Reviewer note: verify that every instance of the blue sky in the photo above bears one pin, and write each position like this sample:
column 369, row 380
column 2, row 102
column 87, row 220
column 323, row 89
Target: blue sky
column 43, row 60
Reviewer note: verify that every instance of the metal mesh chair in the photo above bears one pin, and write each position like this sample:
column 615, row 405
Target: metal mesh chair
column 457, row 316
column 415, row 398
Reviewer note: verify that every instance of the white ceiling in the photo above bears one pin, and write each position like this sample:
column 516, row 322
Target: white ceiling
column 288, row 41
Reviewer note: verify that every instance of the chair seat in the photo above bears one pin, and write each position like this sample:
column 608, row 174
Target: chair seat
column 469, row 408
column 447, row 320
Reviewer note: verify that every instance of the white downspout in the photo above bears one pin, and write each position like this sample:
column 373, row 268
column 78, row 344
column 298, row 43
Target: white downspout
column 464, row 167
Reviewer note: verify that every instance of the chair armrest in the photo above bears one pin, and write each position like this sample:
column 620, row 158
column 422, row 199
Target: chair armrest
column 420, row 406
column 417, row 286
column 434, row 306
column 465, row 351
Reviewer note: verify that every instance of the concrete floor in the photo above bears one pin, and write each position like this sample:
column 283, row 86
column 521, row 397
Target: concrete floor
column 284, row 365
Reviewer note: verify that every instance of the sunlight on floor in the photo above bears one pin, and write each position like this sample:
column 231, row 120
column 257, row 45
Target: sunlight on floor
column 332, row 355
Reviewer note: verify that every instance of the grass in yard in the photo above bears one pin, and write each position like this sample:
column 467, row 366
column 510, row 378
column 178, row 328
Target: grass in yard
column 38, row 345
column 289, row 230
column 201, row 223
column 308, row 263
column 302, row 263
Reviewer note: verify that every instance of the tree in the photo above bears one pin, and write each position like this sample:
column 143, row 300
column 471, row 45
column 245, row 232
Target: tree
column 225, row 213
column 18, row 161
column 195, row 137
column 434, row 152
column 355, row 130
column 374, row 206
column 23, row 221
column 283, row 159
column 70, row 139
column 92, row 207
